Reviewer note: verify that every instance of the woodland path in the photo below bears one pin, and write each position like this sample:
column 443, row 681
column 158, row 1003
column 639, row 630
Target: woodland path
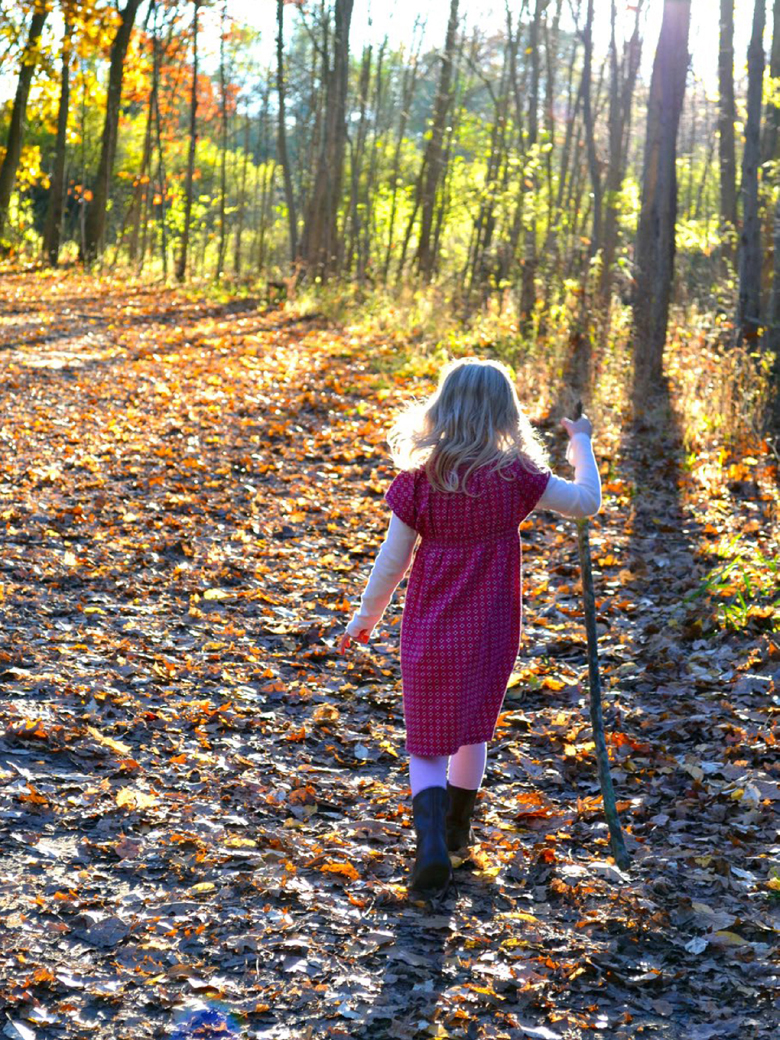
column 205, row 813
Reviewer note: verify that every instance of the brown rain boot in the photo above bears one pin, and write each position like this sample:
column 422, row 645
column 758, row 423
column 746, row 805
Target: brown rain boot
column 432, row 869
column 458, row 821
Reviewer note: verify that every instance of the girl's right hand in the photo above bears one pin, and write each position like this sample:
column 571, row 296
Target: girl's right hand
column 346, row 640
column 581, row 425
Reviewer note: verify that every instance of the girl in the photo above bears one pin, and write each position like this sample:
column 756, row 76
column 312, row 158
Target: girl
column 471, row 469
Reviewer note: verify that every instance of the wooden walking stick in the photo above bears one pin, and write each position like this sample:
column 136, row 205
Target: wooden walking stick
column 619, row 851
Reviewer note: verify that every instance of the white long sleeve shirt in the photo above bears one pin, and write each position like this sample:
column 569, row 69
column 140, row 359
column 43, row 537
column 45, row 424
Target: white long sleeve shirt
column 576, row 498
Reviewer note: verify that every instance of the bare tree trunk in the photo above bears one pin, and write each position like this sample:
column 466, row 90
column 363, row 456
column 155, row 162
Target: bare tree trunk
column 53, row 226
column 590, row 133
column 749, row 302
column 773, row 325
column 357, row 155
column 528, row 281
column 369, row 229
column 769, row 140
column 433, row 160
column 281, row 137
column 321, row 250
column 181, row 265
column 478, row 266
column 223, row 110
column 242, row 198
column 13, row 146
column 655, row 246
column 728, row 162
column 140, row 189
column 622, row 84
column 95, row 225
column 408, row 84
column 161, row 179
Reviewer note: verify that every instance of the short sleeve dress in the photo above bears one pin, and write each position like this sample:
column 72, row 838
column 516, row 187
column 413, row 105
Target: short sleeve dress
column 460, row 631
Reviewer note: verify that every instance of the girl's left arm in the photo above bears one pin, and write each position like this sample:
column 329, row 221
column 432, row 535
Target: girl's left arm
column 390, row 565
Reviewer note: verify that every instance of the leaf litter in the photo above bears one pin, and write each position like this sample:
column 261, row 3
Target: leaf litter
column 205, row 812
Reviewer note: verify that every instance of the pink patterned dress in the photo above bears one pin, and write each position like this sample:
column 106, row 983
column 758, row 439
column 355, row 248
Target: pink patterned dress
column 460, row 631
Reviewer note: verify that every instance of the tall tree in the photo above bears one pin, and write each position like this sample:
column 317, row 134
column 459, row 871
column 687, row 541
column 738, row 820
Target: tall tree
column 771, row 153
column 223, row 122
column 181, row 263
column 655, row 245
column 281, row 134
column 13, row 147
column 590, row 131
column 623, row 76
column 726, row 110
column 95, row 224
column 749, row 300
column 769, row 140
column 320, row 249
column 528, row 280
column 433, row 158
column 53, row 226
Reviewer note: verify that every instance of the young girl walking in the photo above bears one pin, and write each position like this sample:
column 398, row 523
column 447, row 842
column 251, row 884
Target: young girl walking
column 471, row 469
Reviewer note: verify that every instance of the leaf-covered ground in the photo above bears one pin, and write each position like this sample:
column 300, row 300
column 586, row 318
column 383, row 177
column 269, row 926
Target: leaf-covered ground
column 205, row 818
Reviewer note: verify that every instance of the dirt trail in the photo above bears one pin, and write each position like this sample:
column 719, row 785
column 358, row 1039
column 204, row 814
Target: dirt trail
column 205, row 813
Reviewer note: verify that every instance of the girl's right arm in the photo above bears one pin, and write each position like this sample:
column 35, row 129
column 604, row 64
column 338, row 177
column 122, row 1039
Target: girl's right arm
column 582, row 496
column 390, row 565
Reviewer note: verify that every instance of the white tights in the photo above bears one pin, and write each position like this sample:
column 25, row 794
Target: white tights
column 467, row 767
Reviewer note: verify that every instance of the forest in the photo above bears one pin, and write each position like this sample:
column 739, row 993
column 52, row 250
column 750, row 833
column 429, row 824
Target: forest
column 236, row 238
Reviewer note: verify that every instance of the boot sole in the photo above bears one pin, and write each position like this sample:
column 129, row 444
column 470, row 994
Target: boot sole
column 434, row 877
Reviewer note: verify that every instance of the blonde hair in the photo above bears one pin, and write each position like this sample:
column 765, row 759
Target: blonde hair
column 473, row 418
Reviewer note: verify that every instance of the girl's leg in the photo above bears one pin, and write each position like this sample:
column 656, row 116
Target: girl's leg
column 430, row 800
column 467, row 766
column 427, row 772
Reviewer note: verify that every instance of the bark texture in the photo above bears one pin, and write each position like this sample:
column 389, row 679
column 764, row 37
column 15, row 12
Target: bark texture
column 95, row 223
column 13, row 147
column 655, row 246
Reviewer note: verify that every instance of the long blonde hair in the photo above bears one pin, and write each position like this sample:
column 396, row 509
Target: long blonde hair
column 473, row 418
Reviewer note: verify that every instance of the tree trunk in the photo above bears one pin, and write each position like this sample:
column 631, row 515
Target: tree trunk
column 95, row 224
column 321, row 250
column 772, row 116
column 161, row 178
column 728, row 162
column 13, row 148
column 364, row 266
column 773, row 325
column 223, row 110
column 621, row 95
column 655, row 244
column 408, row 83
column 749, row 301
column 242, row 200
column 590, row 133
column 53, row 226
column 284, row 159
column 528, row 281
column 357, row 156
column 181, row 264
column 433, row 159
column 138, row 205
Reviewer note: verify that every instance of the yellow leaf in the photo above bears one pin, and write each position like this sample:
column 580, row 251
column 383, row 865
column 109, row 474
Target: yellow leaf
column 218, row 594
column 130, row 798
column 203, row 886
column 109, row 742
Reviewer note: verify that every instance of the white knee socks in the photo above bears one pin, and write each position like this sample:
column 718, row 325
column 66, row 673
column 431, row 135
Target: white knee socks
column 427, row 772
column 467, row 767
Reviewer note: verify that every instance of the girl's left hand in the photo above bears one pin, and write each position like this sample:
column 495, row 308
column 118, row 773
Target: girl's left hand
column 346, row 640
